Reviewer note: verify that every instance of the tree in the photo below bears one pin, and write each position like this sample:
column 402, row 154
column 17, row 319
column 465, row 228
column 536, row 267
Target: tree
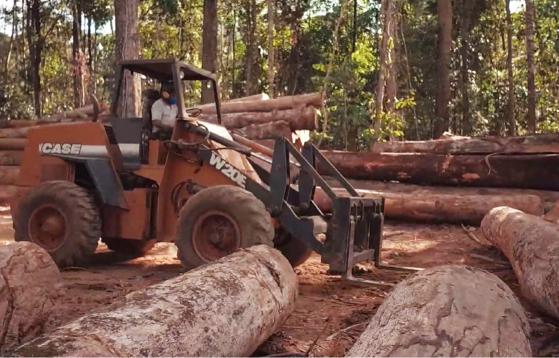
column 77, row 55
column 530, row 18
column 209, row 45
column 511, row 98
column 36, row 43
column 271, row 51
column 128, row 47
column 442, row 120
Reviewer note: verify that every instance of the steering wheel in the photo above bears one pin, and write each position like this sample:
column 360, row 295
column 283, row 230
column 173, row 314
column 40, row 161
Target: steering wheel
column 193, row 111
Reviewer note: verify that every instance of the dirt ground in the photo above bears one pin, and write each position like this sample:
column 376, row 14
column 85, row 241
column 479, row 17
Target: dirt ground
column 330, row 314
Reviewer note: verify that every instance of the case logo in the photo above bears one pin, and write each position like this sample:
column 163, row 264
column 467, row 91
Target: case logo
column 228, row 170
column 60, row 148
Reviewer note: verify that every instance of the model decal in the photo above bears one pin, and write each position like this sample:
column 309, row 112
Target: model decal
column 228, row 170
column 60, row 148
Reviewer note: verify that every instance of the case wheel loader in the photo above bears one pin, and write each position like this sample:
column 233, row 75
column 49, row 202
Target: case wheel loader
column 116, row 181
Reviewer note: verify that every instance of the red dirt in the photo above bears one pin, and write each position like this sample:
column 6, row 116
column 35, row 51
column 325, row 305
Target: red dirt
column 330, row 314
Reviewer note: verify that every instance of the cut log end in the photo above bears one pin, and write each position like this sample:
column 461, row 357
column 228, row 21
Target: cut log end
column 438, row 312
column 30, row 284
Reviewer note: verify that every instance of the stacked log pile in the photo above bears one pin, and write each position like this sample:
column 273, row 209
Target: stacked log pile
column 255, row 117
column 496, row 170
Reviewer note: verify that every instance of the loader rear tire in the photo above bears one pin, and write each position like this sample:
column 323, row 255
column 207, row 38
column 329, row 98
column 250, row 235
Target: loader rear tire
column 132, row 248
column 219, row 220
column 63, row 219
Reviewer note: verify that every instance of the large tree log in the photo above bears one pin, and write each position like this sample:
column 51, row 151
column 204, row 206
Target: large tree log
column 10, row 157
column 448, row 207
column 288, row 102
column 545, row 143
column 438, row 312
column 8, row 175
column 14, row 132
column 226, row 308
column 538, row 171
column 300, row 118
column 532, row 246
column 12, row 143
column 548, row 197
column 265, row 131
column 7, row 192
column 30, row 283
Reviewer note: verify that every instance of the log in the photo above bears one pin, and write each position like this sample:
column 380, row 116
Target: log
column 545, row 143
column 10, row 157
column 14, row 132
column 226, row 308
column 553, row 214
column 266, row 130
column 8, row 175
column 12, row 143
column 537, row 171
column 7, row 192
column 548, row 197
column 448, row 207
column 438, row 312
column 531, row 244
column 30, row 285
column 254, row 97
column 288, row 102
column 301, row 118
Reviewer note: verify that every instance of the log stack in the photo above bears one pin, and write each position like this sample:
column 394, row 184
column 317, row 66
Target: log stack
column 255, row 117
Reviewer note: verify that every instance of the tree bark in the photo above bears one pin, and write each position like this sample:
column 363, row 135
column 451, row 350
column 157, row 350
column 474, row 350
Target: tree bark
column 209, row 46
column 8, row 175
column 511, row 100
column 35, row 41
column 226, row 308
column 531, row 244
column 12, row 143
column 450, row 207
column 10, row 158
column 546, row 143
column 445, row 17
column 271, row 48
column 251, row 56
column 516, row 171
column 270, row 130
column 287, row 102
column 530, row 19
column 128, row 48
column 305, row 118
column 438, row 312
column 30, row 284
column 79, row 95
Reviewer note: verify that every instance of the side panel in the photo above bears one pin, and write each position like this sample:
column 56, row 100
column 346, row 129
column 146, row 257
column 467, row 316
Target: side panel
column 135, row 223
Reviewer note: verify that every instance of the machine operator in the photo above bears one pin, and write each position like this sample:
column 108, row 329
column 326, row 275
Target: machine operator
column 164, row 111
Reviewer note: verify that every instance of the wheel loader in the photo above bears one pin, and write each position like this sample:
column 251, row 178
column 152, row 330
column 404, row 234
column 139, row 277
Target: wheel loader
column 211, row 195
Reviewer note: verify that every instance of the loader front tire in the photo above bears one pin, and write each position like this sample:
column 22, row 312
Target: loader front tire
column 219, row 220
column 62, row 218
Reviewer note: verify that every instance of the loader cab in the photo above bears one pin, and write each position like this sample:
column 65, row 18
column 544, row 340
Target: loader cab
column 133, row 133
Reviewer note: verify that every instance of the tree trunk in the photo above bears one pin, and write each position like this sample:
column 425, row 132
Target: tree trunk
column 545, row 143
column 226, row 308
column 287, row 102
column 271, row 49
column 35, row 44
column 511, row 101
column 530, row 18
column 305, row 118
column 11, row 42
column 76, row 31
column 445, row 17
column 30, row 284
column 438, row 312
column 128, row 47
column 516, row 171
column 8, row 175
column 251, row 55
column 450, row 207
column 10, row 158
column 531, row 244
column 209, row 46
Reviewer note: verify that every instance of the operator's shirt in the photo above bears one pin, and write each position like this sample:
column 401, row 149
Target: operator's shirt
column 164, row 112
